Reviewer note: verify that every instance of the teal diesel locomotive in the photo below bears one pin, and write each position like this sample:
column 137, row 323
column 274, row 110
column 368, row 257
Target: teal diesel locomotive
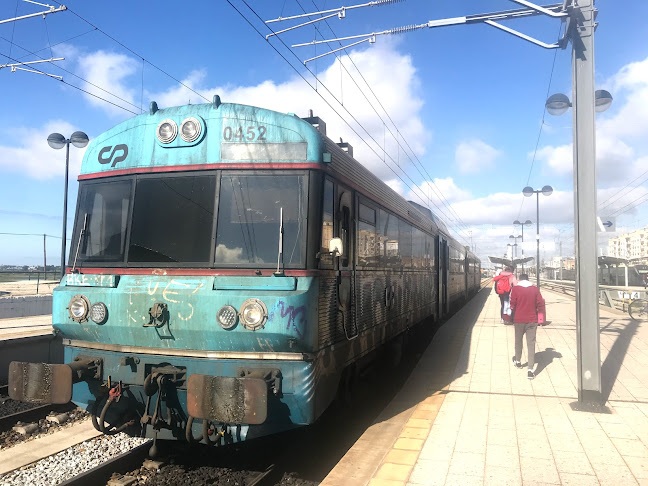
column 231, row 269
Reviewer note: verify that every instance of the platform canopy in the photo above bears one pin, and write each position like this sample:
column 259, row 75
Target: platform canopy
column 509, row 263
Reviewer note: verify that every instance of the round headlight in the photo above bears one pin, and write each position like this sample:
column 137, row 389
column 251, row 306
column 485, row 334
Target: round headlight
column 99, row 312
column 78, row 308
column 226, row 317
column 253, row 314
column 190, row 129
column 167, row 131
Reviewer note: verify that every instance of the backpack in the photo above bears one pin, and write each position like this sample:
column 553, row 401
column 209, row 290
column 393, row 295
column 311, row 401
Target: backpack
column 503, row 285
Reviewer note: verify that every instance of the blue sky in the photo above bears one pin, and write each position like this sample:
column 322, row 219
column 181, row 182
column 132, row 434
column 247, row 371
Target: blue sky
column 465, row 101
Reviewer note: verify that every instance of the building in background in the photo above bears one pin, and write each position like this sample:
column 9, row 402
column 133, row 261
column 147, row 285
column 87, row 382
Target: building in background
column 630, row 246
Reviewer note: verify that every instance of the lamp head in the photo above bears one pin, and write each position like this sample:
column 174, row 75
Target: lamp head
column 79, row 139
column 528, row 191
column 602, row 100
column 547, row 191
column 516, row 222
column 528, row 221
column 557, row 104
column 56, row 141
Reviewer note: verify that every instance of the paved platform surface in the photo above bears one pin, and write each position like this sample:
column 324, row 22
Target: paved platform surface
column 18, row 327
column 467, row 416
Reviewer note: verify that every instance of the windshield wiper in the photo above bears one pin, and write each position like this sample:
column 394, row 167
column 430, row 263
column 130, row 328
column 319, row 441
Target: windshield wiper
column 81, row 235
column 280, row 262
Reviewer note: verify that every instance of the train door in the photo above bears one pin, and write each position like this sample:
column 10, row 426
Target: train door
column 345, row 263
column 443, row 257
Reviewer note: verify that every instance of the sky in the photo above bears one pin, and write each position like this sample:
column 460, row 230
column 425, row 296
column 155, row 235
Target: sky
column 450, row 117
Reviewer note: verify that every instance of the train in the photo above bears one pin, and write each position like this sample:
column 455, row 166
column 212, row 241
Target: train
column 231, row 268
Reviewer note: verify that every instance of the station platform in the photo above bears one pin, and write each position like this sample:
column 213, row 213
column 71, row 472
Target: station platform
column 467, row 416
column 19, row 327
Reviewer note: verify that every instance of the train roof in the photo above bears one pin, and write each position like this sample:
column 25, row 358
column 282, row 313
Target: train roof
column 232, row 132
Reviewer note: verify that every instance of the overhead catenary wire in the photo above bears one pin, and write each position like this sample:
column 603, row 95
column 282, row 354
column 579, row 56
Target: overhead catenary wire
column 327, row 101
column 435, row 188
column 414, row 189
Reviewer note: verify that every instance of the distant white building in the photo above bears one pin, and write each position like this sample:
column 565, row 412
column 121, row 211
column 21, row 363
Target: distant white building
column 631, row 246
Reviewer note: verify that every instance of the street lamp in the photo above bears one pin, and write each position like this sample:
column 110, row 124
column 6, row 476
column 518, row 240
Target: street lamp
column 512, row 245
column 526, row 223
column 515, row 240
column 58, row 141
column 528, row 192
column 586, row 102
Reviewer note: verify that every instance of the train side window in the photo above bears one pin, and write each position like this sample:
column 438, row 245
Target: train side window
column 405, row 242
column 418, row 248
column 327, row 223
column 388, row 239
column 367, row 247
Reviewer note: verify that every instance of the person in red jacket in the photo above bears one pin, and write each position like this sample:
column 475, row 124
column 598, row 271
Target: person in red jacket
column 526, row 303
column 504, row 282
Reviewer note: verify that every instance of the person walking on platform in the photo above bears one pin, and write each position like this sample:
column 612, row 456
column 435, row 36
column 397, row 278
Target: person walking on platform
column 504, row 282
column 528, row 309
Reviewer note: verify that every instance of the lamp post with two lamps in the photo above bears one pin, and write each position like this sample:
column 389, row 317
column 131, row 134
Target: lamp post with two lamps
column 515, row 238
column 528, row 192
column 58, row 141
column 526, row 223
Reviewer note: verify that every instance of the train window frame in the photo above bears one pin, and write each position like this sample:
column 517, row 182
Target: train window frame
column 326, row 260
column 76, row 230
column 303, row 242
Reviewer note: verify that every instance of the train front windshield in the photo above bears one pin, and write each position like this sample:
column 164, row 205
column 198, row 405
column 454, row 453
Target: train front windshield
column 169, row 220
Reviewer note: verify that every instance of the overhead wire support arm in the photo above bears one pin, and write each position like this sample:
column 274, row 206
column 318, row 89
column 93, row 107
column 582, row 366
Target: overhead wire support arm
column 371, row 40
column 44, row 13
column 2, row 66
column 16, row 68
column 300, row 25
column 339, row 10
column 556, row 10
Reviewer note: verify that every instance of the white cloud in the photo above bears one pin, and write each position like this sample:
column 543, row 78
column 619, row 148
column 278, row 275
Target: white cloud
column 34, row 157
column 112, row 72
column 473, row 156
column 433, row 191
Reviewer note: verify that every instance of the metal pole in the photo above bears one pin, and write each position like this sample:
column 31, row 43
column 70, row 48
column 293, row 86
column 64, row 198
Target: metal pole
column 587, row 312
column 44, row 258
column 522, row 225
column 65, row 197
column 538, row 238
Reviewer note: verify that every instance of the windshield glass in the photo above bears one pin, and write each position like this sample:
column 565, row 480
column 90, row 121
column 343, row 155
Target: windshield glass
column 172, row 220
column 102, row 218
column 249, row 220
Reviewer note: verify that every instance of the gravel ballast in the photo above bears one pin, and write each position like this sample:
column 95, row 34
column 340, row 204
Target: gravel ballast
column 82, row 457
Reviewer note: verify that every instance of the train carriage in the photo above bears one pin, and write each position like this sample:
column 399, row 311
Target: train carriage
column 228, row 264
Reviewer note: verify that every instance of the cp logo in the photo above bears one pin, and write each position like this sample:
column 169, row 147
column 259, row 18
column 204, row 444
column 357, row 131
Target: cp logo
column 111, row 157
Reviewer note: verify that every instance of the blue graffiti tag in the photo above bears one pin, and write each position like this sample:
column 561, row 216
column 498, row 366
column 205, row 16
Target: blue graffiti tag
column 292, row 312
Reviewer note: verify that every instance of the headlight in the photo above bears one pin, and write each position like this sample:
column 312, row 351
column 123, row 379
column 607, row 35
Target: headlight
column 78, row 308
column 226, row 317
column 99, row 312
column 253, row 314
column 167, row 131
column 190, row 129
